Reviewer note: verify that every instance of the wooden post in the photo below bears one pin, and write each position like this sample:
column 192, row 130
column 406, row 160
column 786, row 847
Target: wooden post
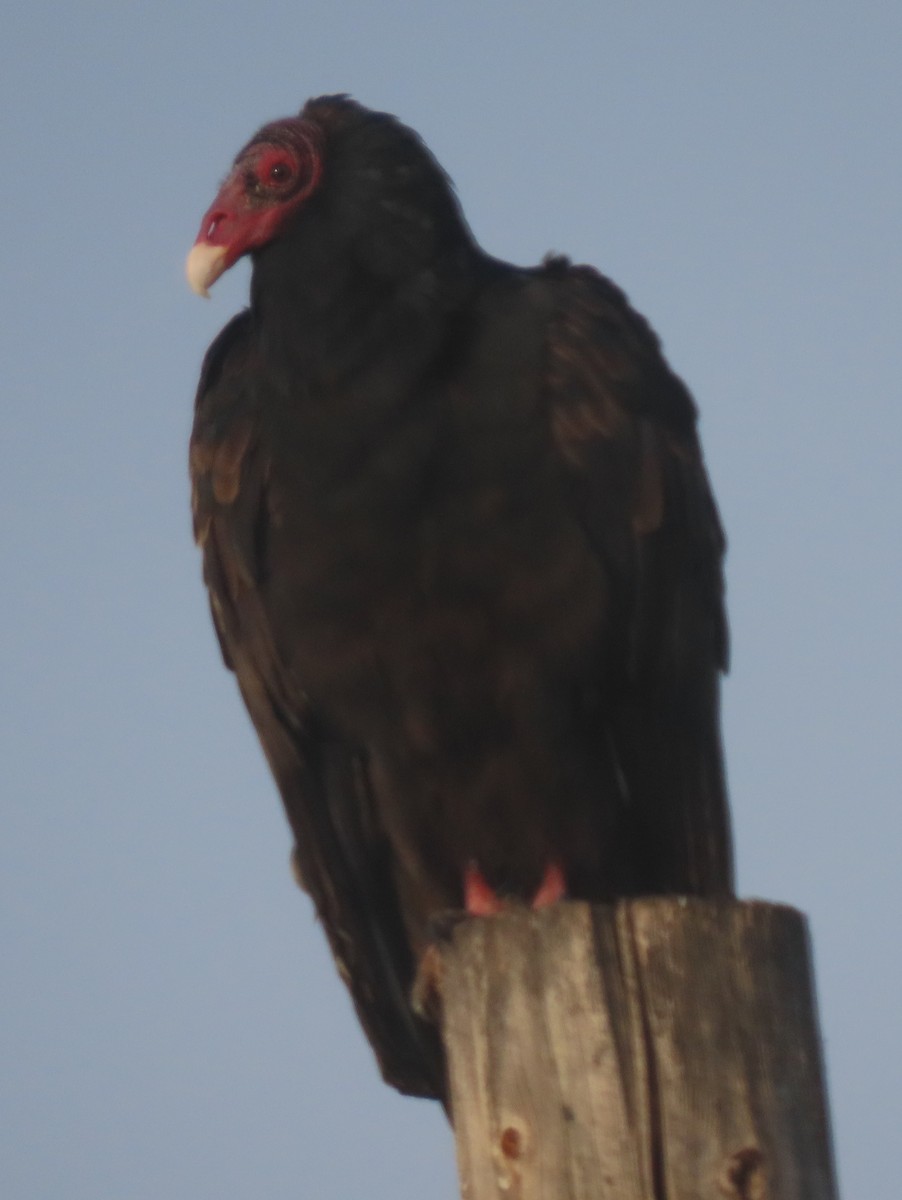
column 657, row 1048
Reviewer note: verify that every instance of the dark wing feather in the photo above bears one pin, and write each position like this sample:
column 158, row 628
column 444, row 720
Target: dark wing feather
column 340, row 854
column 624, row 427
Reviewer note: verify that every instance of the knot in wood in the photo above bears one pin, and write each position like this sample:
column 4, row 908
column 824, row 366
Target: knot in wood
column 511, row 1142
column 743, row 1177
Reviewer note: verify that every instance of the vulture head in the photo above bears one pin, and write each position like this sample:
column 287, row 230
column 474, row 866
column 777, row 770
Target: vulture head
column 377, row 192
column 270, row 180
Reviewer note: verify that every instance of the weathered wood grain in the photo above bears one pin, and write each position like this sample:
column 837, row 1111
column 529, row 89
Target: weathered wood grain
column 660, row 1049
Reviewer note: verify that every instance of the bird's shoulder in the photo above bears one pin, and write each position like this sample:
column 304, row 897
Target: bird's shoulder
column 604, row 364
column 223, row 419
column 623, row 427
column 228, row 470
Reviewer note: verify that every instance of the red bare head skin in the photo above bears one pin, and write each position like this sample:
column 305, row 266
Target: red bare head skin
column 273, row 175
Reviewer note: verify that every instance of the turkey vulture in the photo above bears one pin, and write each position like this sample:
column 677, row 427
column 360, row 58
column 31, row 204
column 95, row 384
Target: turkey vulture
column 462, row 556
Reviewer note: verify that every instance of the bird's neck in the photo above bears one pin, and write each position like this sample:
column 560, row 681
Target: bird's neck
column 330, row 303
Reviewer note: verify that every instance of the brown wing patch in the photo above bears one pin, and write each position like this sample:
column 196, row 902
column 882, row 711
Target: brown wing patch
column 228, row 457
column 222, row 461
column 584, row 406
column 604, row 367
column 648, row 511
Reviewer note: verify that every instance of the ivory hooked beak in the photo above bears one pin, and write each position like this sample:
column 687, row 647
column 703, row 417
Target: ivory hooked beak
column 204, row 265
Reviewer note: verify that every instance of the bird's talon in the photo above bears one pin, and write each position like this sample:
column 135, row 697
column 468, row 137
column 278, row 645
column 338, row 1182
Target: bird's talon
column 480, row 898
column 552, row 888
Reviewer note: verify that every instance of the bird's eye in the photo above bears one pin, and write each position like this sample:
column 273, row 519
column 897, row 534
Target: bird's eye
column 280, row 169
column 275, row 168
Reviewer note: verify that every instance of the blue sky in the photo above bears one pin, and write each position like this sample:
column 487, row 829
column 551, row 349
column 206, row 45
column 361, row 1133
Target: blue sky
column 171, row 1024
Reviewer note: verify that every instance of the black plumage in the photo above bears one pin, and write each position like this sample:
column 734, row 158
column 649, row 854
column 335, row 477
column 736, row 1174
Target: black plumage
column 462, row 557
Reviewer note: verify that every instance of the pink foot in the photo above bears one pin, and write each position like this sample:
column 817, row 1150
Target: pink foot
column 552, row 888
column 480, row 899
